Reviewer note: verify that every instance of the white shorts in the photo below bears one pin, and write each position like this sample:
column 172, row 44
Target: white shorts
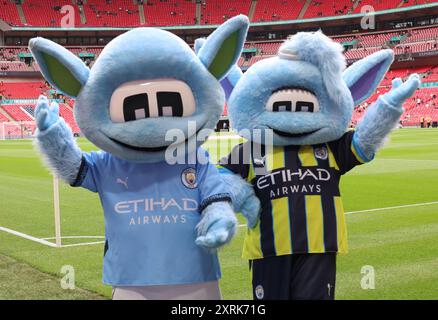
column 198, row 291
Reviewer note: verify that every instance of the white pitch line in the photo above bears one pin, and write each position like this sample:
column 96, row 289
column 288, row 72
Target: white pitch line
column 81, row 244
column 76, row 237
column 395, row 207
column 28, row 237
column 382, row 209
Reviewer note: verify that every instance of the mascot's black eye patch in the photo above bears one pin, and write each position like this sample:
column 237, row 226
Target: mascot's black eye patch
column 136, row 107
column 282, row 106
column 169, row 104
column 305, row 106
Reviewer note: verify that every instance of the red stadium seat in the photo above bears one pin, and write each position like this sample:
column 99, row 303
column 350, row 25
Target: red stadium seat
column 17, row 113
column 47, row 13
column 9, row 13
column 267, row 10
column 218, row 11
column 3, row 118
column 120, row 13
column 324, row 8
column 170, row 13
column 124, row 13
column 23, row 90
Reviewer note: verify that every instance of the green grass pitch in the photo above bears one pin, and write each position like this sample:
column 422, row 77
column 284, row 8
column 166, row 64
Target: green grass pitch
column 401, row 244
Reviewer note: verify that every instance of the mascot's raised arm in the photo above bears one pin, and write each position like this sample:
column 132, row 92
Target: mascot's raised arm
column 295, row 109
column 165, row 212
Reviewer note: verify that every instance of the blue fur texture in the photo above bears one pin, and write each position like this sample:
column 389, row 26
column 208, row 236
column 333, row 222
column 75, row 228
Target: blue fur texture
column 198, row 44
column 383, row 116
column 323, row 53
column 217, row 226
column 314, row 62
column 59, row 150
column 144, row 54
column 250, row 95
column 318, row 66
column 243, row 197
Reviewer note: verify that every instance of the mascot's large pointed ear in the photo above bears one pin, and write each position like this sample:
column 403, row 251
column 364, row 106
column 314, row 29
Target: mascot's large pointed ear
column 223, row 47
column 363, row 76
column 61, row 68
column 232, row 77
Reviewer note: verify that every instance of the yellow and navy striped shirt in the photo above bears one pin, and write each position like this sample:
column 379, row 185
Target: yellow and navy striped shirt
column 298, row 187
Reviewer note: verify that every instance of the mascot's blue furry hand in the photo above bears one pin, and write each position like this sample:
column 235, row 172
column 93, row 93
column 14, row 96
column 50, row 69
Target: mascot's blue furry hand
column 46, row 115
column 401, row 91
column 217, row 226
column 243, row 196
column 251, row 208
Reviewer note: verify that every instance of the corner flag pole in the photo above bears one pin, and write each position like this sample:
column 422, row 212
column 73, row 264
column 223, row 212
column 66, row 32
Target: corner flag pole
column 57, row 211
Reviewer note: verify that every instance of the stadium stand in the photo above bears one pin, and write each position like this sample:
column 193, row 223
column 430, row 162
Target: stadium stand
column 128, row 13
column 3, row 118
column 366, row 44
column 25, row 112
column 120, row 13
column 379, row 5
column 47, row 13
column 170, row 12
column 9, row 13
column 15, row 66
column 216, row 12
column 22, row 90
column 267, row 10
column 321, row 8
column 16, row 112
column 125, row 13
column 67, row 114
column 417, row 35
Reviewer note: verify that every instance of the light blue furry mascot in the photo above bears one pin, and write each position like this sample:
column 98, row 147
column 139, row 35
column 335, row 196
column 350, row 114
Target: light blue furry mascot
column 295, row 109
column 145, row 103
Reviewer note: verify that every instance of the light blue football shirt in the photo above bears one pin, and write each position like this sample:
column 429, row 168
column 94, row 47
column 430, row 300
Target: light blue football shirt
column 151, row 211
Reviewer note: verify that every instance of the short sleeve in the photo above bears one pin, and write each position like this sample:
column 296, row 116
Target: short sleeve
column 347, row 153
column 89, row 171
column 210, row 184
column 237, row 161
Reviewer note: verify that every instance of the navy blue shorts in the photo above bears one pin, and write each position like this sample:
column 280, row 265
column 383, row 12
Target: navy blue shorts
column 310, row 276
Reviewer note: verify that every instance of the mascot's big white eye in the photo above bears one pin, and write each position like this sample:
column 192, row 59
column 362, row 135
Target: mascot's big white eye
column 294, row 100
column 151, row 98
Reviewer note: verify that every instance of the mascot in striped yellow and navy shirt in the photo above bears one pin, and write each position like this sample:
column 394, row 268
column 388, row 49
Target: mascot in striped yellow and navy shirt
column 294, row 109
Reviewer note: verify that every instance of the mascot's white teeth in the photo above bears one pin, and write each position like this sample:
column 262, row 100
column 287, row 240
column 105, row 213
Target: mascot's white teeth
column 292, row 100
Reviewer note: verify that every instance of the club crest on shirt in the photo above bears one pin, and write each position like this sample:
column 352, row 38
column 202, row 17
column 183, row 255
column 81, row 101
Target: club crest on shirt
column 259, row 292
column 321, row 153
column 188, row 178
